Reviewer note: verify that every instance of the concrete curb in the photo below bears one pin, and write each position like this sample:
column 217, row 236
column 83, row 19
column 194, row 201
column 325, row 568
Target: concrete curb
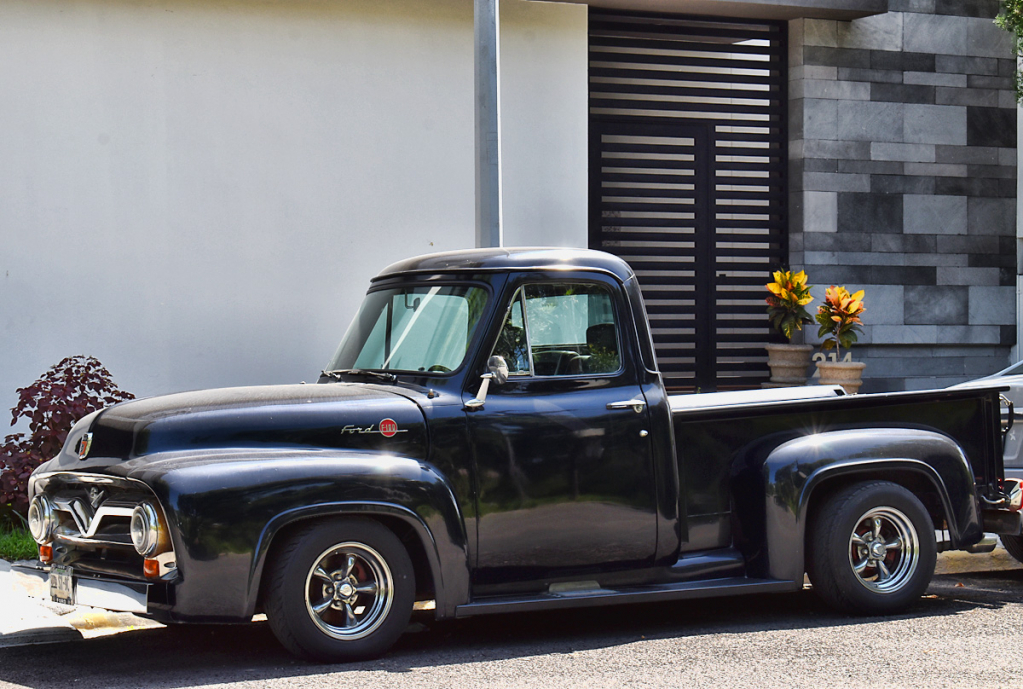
column 958, row 562
column 26, row 620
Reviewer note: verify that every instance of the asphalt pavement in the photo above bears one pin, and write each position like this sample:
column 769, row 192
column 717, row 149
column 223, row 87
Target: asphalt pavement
column 966, row 632
column 29, row 618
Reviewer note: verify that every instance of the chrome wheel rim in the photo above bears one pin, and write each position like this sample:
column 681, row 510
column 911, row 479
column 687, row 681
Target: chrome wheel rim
column 348, row 591
column 884, row 550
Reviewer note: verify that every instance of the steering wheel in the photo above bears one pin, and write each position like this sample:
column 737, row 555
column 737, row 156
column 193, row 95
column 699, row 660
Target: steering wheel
column 437, row 368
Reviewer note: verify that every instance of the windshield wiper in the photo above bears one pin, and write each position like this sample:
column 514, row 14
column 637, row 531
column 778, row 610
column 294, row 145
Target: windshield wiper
column 337, row 374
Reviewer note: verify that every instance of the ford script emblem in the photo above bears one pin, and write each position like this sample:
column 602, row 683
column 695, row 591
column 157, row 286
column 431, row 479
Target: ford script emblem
column 387, row 428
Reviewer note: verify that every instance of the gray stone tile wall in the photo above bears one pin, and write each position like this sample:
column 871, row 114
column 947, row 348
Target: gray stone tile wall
column 902, row 167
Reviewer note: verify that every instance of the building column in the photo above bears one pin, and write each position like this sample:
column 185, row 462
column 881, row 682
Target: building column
column 1018, row 347
column 489, row 221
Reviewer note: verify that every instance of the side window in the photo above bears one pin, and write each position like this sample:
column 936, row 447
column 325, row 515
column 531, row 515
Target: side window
column 560, row 329
column 570, row 327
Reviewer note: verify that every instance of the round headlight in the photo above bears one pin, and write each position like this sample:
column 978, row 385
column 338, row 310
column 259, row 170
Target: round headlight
column 145, row 529
column 42, row 521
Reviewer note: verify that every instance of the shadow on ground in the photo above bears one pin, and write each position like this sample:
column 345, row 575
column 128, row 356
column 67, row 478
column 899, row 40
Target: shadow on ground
column 180, row 656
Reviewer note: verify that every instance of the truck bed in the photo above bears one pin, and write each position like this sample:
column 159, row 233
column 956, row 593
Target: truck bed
column 719, row 436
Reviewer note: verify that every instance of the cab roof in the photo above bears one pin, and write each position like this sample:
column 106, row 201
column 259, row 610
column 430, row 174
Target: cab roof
column 508, row 259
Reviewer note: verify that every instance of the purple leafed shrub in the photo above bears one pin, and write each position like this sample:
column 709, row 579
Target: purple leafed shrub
column 75, row 387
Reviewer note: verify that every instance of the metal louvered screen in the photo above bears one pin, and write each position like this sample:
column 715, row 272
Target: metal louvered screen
column 687, row 182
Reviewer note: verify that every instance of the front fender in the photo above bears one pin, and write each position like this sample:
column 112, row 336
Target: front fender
column 447, row 560
column 793, row 470
column 224, row 509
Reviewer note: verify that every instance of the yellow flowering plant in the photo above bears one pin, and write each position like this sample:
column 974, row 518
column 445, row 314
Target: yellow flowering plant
column 839, row 318
column 789, row 294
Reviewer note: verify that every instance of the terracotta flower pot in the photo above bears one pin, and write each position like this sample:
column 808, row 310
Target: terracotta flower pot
column 848, row 374
column 789, row 363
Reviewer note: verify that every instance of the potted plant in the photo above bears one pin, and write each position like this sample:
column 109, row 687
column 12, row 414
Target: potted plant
column 789, row 295
column 839, row 318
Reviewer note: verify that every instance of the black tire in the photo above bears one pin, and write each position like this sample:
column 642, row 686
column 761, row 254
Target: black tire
column 861, row 566
column 1014, row 545
column 362, row 592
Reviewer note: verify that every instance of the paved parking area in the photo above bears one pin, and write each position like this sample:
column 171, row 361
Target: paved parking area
column 967, row 632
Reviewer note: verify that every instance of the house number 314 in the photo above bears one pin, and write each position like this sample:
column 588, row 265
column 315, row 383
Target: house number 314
column 821, row 356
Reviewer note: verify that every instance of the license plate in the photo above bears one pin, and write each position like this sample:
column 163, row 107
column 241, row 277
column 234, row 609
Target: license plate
column 62, row 585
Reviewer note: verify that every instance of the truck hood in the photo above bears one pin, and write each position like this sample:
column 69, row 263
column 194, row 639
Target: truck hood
column 359, row 417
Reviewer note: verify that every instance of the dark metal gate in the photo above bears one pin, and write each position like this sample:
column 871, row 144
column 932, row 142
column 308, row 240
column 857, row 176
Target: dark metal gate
column 687, row 182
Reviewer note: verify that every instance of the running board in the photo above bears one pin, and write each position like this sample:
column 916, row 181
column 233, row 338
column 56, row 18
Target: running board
column 732, row 586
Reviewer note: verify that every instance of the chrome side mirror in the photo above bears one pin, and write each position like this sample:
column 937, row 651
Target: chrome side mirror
column 497, row 371
column 499, row 367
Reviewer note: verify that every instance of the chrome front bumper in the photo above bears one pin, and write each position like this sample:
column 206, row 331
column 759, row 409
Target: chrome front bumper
column 118, row 596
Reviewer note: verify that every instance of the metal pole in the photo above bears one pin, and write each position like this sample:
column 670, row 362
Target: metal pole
column 489, row 222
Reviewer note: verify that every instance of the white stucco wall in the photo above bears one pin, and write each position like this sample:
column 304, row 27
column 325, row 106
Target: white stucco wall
column 545, row 137
column 197, row 193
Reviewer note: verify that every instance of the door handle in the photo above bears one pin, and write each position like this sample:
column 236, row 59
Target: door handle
column 635, row 405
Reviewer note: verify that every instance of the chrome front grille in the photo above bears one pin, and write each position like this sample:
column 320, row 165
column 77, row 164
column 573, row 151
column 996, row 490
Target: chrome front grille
column 93, row 521
column 92, row 510
column 82, row 524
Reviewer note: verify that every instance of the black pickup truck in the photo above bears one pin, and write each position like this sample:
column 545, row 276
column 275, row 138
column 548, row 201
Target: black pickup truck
column 493, row 435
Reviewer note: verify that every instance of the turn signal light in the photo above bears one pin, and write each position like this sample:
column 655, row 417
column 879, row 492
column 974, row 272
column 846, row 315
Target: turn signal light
column 45, row 553
column 151, row 568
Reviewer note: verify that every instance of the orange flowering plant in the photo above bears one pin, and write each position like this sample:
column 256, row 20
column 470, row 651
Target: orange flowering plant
column 839, row 318
column 789, row 293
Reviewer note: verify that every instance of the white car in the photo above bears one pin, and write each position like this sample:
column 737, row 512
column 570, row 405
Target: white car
column 1013, row 457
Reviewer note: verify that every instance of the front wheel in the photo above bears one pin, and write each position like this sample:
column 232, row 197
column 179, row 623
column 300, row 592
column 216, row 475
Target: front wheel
column 340, row 590
column 872, row 548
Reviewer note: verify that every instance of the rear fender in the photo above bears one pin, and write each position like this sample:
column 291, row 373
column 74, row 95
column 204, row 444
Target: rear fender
column 794, row 470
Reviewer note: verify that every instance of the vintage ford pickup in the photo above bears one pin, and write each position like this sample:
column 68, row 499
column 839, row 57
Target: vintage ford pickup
column 493, row 435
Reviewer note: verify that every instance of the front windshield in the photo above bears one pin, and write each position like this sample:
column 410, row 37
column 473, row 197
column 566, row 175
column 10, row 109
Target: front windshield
column 424, row 328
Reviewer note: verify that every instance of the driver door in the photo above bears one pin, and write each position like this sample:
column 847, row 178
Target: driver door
column 566, row 481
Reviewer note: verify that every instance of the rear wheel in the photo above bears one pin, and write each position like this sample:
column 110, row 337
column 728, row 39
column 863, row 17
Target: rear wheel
column 340, row 590
column 872, row 548
column 1014, row 544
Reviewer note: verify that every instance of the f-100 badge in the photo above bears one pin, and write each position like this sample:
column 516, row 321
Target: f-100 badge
column 387, row 428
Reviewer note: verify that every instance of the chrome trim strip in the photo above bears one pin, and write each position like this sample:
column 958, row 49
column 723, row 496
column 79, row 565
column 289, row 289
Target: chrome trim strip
column 723, row 400
column 85, row 477
column 84, row 540
column 636, row 405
